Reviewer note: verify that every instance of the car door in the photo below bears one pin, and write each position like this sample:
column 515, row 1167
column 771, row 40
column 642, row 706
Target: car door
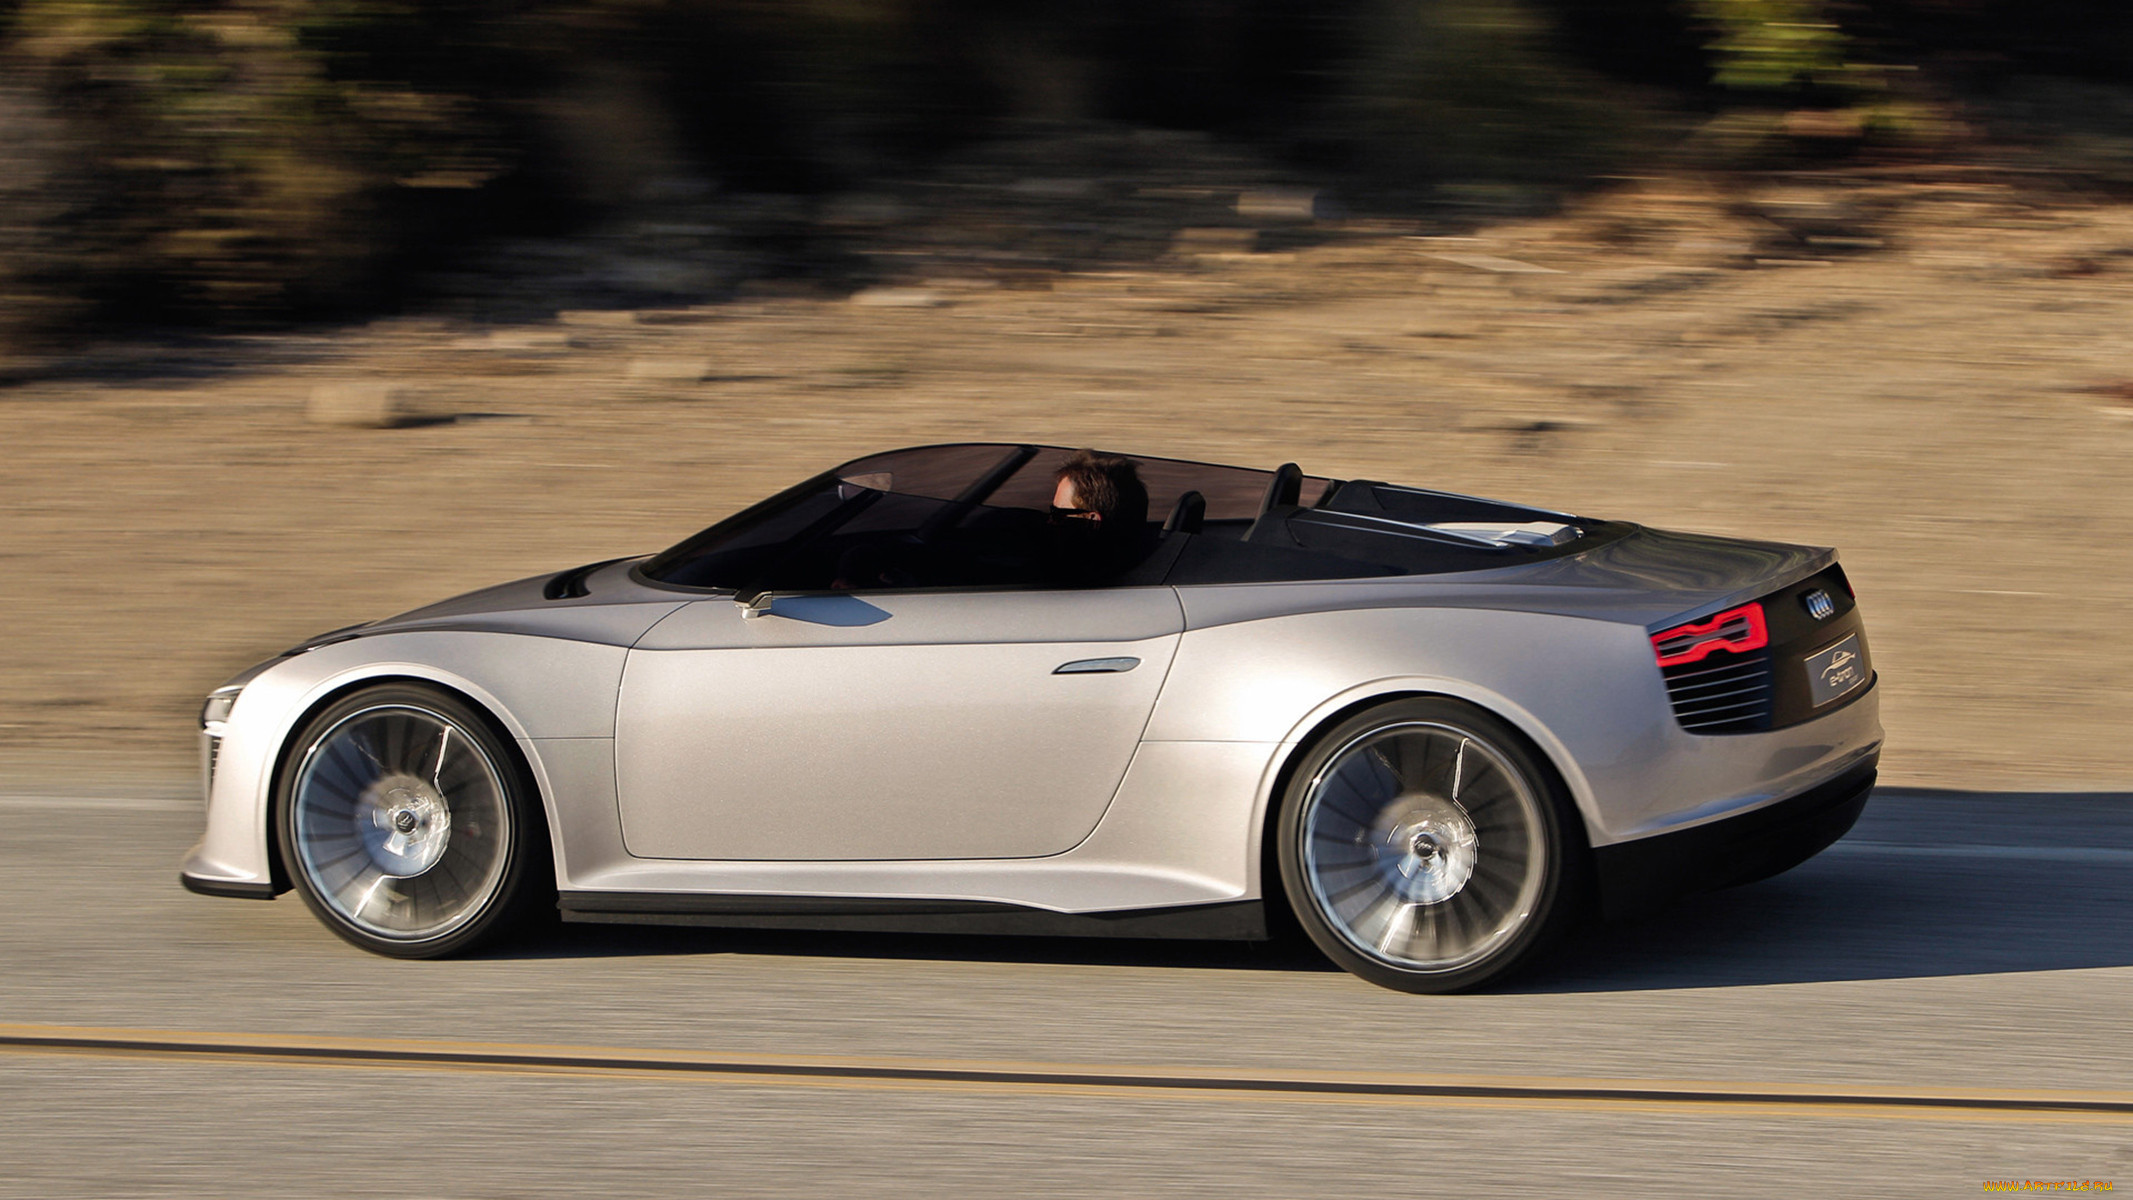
column 895, row 725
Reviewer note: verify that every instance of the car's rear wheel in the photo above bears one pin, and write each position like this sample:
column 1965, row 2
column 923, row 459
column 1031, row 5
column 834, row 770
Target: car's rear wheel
column 1425, row 847
column 407, row 825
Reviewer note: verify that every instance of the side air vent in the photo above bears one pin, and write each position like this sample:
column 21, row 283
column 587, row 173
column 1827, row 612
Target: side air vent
column 1722, row 693
column 571, row 584
column 210, row 758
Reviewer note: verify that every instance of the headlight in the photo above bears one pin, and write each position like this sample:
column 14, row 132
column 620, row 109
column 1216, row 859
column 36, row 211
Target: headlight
column 218, row 706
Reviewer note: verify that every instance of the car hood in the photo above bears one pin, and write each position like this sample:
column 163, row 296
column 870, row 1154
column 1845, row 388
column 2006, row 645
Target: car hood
column 613, row 609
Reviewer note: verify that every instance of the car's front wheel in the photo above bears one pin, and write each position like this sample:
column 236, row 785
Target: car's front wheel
column 1425, row 847
column 407, row 825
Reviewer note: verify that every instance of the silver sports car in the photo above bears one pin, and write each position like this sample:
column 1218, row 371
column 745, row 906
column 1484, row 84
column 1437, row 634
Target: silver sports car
column 921, row 692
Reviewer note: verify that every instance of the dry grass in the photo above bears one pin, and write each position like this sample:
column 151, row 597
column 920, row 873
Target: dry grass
column 1927, row 405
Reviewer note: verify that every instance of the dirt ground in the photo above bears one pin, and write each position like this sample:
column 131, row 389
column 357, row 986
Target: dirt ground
column 1932, row 376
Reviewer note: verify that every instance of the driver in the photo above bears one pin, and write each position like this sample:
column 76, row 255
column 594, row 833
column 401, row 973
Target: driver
column 1099, row 517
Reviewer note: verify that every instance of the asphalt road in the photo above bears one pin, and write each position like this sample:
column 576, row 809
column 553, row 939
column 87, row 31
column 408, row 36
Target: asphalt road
column 1954, row 946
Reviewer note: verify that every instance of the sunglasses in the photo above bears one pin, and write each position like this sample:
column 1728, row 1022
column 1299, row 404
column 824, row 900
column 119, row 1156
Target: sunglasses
column 1074, row 514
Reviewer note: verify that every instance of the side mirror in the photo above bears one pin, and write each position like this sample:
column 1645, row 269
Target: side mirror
column 754, row 602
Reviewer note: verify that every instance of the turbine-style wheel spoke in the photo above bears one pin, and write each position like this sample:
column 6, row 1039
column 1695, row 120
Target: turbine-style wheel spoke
column 1422, row 846
column 400, row 821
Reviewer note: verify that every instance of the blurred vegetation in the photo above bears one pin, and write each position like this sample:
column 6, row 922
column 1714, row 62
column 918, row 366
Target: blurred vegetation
column 1773, row 45
column 1473, row 93
column 226, row 161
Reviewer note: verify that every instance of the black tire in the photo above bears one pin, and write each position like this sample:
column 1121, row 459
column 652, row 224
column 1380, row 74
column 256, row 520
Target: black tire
column 409, row 825
column 1425, row 846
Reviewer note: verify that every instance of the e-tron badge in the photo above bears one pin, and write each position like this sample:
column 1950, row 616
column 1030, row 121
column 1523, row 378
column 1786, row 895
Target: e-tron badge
column 1819, row 605
column 1835, row 671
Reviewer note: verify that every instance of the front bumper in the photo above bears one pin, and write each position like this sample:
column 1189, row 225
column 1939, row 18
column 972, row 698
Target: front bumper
column 1639, row 876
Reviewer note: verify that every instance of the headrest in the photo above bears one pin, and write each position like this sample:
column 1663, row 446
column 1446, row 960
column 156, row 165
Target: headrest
column 1283, row 489
column 1187, row 514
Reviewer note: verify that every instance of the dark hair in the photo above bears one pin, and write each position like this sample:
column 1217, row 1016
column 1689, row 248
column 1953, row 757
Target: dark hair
column 1108, row 484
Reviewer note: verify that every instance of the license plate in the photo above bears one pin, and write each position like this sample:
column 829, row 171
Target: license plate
column 1835, row 671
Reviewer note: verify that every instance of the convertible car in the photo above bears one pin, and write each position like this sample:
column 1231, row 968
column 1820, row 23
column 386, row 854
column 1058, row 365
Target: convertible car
column 1434, row 731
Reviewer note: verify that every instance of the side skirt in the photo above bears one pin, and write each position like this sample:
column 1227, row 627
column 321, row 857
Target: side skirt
column 1235, row 921
column 220, row 887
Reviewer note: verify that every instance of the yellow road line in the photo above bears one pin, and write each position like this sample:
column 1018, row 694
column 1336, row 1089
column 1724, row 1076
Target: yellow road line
column 1338, row 1087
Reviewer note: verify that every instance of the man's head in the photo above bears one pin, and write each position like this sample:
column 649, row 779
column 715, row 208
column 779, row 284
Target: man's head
column 1103, row 489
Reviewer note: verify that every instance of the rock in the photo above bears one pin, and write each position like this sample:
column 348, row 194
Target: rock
column 898, row 297
column 358, row 406
column 1707, row 246
column 670, row 231
column 687, row 370
column 670, row 276
column 598, row 318
column 1839, row 124
column 1501, row 199
column 1803, row 212
column 1214, row 240
column 1176, row 193
column 696, row 314
column 1495, row 264
column 1535, row 435
column 861, row 210
column 1053, row 189
column 517, row 341
column 1286, row 204
column 672, row 188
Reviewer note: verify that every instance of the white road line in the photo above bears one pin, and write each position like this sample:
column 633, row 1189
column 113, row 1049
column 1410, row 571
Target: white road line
column 2077, row 854
column 126, row 803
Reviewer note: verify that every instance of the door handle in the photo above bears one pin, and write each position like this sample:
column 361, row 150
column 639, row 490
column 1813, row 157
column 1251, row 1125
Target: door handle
column 1097, row 666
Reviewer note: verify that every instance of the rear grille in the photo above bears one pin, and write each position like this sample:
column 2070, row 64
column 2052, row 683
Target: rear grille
column 1722, row 693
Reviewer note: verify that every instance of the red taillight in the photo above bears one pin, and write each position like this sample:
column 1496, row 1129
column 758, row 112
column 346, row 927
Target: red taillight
column 1736, row 629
